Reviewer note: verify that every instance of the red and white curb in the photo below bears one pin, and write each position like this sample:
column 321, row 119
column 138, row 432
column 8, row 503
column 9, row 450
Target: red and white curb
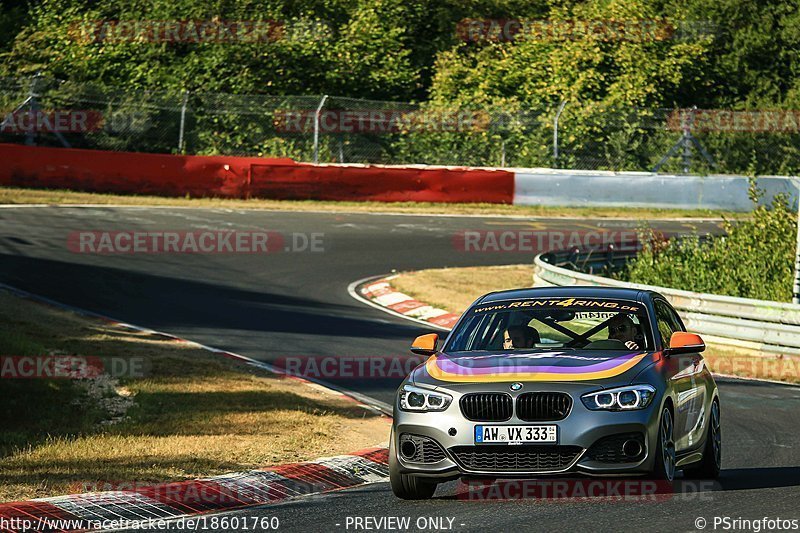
column 378, row 292
column 171, row 501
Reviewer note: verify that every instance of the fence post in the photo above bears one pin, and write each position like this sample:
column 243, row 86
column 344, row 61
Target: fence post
column 29, row 137
column 687, row 151
column 183, row 121
column 33, row 108
column 555, row 131
column 684, row 142
column 316, row 128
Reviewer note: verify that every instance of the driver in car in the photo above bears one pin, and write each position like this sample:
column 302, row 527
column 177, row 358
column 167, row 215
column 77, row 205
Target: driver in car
column 520, row 337
column 622, row 328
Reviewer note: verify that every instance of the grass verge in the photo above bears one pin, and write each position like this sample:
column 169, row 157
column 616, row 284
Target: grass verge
column 12, row 195
column 189, row 414
column 454, row 289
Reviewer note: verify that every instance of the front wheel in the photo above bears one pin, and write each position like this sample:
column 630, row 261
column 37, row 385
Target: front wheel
column 711, row 464
column 665, row 448
column 404, row 486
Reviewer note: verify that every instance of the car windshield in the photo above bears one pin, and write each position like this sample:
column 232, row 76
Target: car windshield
column 553, row 323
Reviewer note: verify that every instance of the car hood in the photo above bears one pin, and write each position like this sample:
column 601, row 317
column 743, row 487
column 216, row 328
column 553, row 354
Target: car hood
column 444, row 369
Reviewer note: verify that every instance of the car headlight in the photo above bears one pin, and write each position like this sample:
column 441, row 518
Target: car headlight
column 422, row 400
column 620, row 399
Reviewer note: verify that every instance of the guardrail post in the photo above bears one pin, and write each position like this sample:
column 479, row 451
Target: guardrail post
column 796, row 288
column 316, row 128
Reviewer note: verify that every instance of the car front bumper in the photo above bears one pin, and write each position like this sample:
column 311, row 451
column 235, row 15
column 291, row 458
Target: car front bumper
column 578, row 433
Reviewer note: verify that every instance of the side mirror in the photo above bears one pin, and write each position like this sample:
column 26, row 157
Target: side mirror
column 682, row 342
column 425, row 344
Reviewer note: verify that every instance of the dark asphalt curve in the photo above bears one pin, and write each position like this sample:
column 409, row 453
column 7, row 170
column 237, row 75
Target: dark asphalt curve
column 265, row 306
column 269, row 306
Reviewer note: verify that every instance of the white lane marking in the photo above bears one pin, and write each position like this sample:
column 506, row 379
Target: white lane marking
column 379, row 213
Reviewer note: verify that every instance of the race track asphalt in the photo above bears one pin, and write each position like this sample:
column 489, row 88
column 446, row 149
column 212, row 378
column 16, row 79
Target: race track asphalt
column 269, row 306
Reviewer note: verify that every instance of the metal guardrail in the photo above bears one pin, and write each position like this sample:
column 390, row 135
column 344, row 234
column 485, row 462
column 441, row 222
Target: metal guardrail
column 762, row 325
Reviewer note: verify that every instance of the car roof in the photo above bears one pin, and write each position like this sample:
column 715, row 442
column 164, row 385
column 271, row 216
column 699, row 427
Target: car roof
column 620, row 293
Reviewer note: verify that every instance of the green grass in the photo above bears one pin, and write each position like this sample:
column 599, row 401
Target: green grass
column 192, row 414
column 27, row 415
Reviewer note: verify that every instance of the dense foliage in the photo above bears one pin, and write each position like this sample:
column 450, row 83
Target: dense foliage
column 745, row 53
column 726, row 54
column 754, row 259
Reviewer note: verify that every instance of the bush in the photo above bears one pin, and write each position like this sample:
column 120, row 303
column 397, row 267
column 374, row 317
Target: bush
column 753, row 259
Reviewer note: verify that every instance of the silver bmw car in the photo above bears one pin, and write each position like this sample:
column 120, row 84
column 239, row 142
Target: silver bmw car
column 562, row 380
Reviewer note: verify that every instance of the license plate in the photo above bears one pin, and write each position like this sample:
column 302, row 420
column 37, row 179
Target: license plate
column 515, row 434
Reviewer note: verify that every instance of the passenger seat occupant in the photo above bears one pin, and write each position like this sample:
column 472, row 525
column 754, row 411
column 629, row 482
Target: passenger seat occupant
column 519, row 337
column 624, row 329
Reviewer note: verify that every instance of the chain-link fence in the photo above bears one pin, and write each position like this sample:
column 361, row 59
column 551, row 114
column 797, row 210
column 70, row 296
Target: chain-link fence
column 331, row 129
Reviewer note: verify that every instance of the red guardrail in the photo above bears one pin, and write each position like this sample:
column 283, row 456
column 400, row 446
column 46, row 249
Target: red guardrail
column 242, row 177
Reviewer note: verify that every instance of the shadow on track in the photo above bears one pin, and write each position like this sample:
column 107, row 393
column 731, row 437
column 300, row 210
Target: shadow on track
column 614, row 489
column 760, row 478
column 161, row 302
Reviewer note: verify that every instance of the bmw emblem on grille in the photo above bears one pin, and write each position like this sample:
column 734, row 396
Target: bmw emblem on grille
column 516, row 386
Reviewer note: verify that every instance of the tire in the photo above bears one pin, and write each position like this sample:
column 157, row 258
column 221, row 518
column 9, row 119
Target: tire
column 404, row 486
column 711, row 464
column 665, row 448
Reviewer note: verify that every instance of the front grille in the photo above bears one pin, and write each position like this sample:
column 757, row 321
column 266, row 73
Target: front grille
column 543, row 406
column 428, row 450
column 504, row 458
column 609, row 449
column 487, row 407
